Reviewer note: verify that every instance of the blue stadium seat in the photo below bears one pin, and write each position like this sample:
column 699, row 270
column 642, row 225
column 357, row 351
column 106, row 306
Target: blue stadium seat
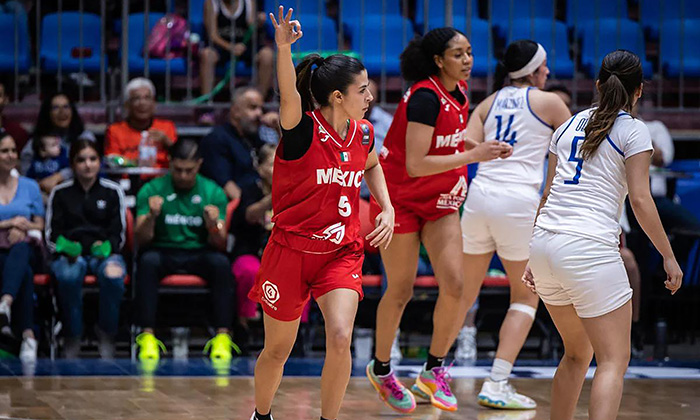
column 553, row 39
column 688, row 190
column 478, row 36
column 196, row 17
column 367, row 40
column 436, row 9
column 70, row 42
column 8, row 24
column 136, row 48
column 505, row 11
column 353, row 9
column 306, row 7
column 328, row 40
column 651, row 13
column 680, row 38
column 606, row 35
column 581, row 11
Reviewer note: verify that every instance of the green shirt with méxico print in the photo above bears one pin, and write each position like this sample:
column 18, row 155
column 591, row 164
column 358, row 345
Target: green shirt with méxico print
column 181, row 220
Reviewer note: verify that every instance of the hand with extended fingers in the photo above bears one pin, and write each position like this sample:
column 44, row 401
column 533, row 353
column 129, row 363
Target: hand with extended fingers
column 287, row 31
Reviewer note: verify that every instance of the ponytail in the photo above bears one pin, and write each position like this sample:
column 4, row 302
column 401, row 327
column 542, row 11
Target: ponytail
column 304, row 73
column 500, row 77
column 619, row 77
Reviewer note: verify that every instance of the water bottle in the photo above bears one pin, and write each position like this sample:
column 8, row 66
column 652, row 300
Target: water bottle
column 180, row 342
column 660, row 344
column 363, row 344
column 147, row 151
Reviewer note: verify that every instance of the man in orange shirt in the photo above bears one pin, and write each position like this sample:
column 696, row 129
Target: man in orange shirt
column 124, row 138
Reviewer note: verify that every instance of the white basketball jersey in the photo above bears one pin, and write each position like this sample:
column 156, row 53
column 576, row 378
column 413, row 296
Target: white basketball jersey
column 511, row 119
column 587, row 197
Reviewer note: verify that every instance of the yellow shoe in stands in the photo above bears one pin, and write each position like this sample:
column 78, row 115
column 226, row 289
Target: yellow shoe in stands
column 220, row 346
column 149, row 346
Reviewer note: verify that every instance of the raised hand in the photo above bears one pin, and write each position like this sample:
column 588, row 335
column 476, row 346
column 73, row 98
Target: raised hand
column 287, row 31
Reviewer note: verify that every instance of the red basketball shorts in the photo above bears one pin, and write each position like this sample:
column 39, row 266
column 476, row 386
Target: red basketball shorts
column 288, row 277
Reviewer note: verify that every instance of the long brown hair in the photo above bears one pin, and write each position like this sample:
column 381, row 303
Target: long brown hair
column 619, row 77
column 335, row 72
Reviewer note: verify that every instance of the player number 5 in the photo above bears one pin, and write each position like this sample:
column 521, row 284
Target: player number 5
column 344, row 206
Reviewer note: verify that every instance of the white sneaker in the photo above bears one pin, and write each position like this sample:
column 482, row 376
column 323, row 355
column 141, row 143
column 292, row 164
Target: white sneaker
column 396, row 354
column 5, row 318
column 466, row 345
column 253, row 417
column 501, row 394
column 27, row 352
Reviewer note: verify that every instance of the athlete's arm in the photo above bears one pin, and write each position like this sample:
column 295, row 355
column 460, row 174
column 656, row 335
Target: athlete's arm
column 550, row 107
column 384, row 222
column 637, row 169
column 419, row 163
column 287, row 32
column 551, row 171
column 475, row 127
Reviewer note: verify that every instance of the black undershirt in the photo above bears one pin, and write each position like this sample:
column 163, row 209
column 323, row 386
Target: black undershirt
column 424, row 105
column 297, row 141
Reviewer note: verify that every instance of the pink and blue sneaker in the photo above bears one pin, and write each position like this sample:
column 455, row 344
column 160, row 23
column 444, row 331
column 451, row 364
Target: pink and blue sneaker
column 391, row 391
column 434, row 384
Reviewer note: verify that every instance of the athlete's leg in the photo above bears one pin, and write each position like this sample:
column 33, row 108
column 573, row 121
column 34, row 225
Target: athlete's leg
column 400, row 262
column 610, row 337
column 339, row 308
column 573, row 366
column 279, row 340
column 475, row 268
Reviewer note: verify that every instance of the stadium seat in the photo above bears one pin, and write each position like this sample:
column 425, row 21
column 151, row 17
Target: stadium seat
column 580, row 12
column 136, row 48
column 603, row 36
column 353, row 9
column 553, row 39
column 11, row 44
column 70, row 49
column 688, row 191
column 679, row 47
column 437, row 13
column 651, row 14
column 507, row 11
column 318, row 36
column 372, row 32
column 478, row 33
column 196, row 17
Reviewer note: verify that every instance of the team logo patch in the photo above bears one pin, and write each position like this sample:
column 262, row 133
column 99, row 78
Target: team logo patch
column 196, row 199
column 365, row 134
column 344, row 156
column 101, row 204
column 270, row 292
column 171, row 197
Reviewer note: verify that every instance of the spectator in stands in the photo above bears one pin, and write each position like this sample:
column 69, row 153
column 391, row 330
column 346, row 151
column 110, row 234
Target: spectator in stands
column 229, row 26
column 251, row 225
column 229, row 150
column 58, row 117
column 85, row 232
column 12, row 128
column 125, row 138
column 563, row 92
column 50, row 157
column 21, row 219
column 180, row 227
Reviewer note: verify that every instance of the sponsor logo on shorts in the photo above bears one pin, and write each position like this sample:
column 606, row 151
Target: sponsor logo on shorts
column 356, row 276
column 455, row 198
column 270, row 293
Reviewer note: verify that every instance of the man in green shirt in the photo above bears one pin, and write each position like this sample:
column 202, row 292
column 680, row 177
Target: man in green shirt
column 180, row 228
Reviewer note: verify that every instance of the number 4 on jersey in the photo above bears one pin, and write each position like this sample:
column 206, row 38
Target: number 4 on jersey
column 499, row 124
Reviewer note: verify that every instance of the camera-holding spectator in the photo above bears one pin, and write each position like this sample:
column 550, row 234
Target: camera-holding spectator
column 229, row 150
column 85, row 232
column 229, row 28
column 141, row 137
column 21, row 218
column 12, row 128
column 180, row 227
column 251, row 225
column 58, row 117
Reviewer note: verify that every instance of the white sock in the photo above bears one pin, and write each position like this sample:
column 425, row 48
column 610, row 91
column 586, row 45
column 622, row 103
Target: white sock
column 500, row 371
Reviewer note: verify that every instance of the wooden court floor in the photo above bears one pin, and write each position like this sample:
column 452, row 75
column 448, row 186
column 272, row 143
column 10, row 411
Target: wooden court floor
column 231, row 398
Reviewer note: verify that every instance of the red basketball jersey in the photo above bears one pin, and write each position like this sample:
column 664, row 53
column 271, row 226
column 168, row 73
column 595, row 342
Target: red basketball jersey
column 315, row 199
column 439, row 192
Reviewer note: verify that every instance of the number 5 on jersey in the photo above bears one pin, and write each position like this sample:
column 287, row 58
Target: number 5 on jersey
column 344, row 206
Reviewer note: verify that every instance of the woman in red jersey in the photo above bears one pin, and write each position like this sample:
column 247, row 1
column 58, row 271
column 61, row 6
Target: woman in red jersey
column 315, row 247
column 425, row 158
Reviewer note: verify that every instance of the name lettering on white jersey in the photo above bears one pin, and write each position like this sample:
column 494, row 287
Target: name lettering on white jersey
column 510, row 103
column 451, row 140
column 340, row 177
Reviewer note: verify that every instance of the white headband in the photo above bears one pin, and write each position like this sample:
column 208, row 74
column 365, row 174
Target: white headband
column 535, row 62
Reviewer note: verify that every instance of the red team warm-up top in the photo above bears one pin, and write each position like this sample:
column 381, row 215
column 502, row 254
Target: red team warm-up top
column 420, row 199
column 315, row 246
